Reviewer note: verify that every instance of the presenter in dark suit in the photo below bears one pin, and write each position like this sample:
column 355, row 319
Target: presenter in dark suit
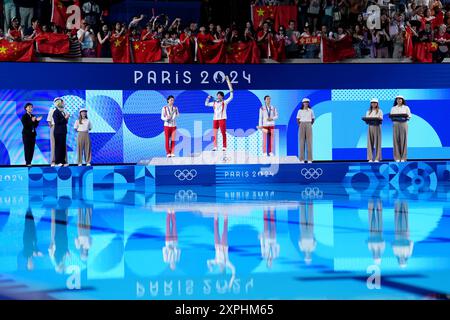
column 30, row 123
column 60, row 118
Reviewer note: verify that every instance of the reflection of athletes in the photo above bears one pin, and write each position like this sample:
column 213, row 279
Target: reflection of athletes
column 83, row 241
column 30, row 248
column 402, row 245
column 307, row 242
column 59, row 245
column 220, row 114
column 221, row 260
column 169, row 114
column 270, row 249
column 267, row 116
column 171, row 252
column 376, row 243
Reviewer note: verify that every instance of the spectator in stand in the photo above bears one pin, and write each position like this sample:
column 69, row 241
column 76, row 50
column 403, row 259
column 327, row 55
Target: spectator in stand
column 358, row 40
column 211, row 28
column 9, row 12
column 43, row 11
column 234, row 36
column 104, row 43
column 135, row 21
column 74, row 44
column 175, row 26
column 309, row 49
column 54, row 28
column 86, row 37
column 45, row 28
column 147, row 33
column 34, row 31
column 203, row 37
column 398, row 41
column 382, row 43
column 443, row 39
column 263, row 37
column 327, row 18
column 313, row 14
column 91, row 13
column 292, row 37
column 15, row 31
column 219, row 34
column 134, row 34
column 193, row 27
column 26, row 11
column 249, row 31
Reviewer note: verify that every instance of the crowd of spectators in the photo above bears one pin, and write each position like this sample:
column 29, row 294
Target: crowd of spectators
column 428, row 21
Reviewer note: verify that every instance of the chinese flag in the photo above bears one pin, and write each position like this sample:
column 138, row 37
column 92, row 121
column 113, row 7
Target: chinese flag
column 277, row 49
column 243, row 52
column 408, row 44
column 16, row 51
column 333, row 51
column 59, row 11
column 279, row 14
column 120, row 49
column 180, row 53
column 146, row 51
column 52, row 43
column 211, row 53
column 422, row 52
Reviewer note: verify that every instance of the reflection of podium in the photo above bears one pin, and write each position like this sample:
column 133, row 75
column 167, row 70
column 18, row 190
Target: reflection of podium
column 399, row 117
column 373, row 121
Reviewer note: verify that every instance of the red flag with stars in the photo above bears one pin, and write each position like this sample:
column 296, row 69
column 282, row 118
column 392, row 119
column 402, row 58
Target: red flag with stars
column 279, row 14
column 120, row 49
column 52, row 43
column 333, row 51
column 408, row 45
column 16, row 51
column 59, row 11
column 180, row 53
column 211, row 53
column 146, row 51
column 243, row 52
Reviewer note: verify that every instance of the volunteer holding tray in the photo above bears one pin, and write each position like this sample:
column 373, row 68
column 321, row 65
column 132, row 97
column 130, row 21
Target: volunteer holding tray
column 400, row 114
column 374, row 118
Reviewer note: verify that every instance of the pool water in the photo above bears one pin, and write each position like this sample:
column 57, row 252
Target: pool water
column 285, row 241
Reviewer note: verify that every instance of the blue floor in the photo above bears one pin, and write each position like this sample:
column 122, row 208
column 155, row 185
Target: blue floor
column 257, row 241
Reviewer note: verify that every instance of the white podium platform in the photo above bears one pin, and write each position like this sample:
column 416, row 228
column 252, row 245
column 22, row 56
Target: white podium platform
column 218, row 158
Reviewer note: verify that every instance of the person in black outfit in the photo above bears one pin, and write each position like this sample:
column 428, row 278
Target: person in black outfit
column 61, row 118
column 30, row 122
column 30, row 248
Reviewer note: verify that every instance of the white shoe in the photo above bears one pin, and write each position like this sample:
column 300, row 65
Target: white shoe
column 66, row 165
column 59, row 165
column 214, row 149
column 88, row 164
column 169, row 155
column 402, row 160
column 397, row 160
column 224, row 149
column 309, row 161
column 80, row 164
column 52, row 165
column 377, row 161
column 172, row 155
column 302, row 161
column 271, row 154
column 370, row 161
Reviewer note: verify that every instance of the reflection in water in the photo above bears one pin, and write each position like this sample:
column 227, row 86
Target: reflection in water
column 221, row 259
column 402, row 245
column 59, row 245
column 270, row 249
column 30, row 247
column 171, row 252
column 307, row 243
column 83, row 241
column 376, row 242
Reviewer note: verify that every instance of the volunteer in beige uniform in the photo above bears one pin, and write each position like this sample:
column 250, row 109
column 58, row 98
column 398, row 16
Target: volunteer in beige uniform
column 83, row 125
column 400, row 131
column 51, row 123
column 374, row 131
column 305, row 119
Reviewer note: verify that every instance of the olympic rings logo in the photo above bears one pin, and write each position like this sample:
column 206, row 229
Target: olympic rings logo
column 311, row 173
column 185, row 195
column 312, row 193
column 185, row 174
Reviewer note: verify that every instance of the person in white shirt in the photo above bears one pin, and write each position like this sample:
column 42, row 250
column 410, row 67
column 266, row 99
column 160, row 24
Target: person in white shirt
column 171, row 252
column 83, row 125
column 374, row 131
column 400, row 132
column 305, row 119
column 220, row 114
column 267, row 116
column 169, row 114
